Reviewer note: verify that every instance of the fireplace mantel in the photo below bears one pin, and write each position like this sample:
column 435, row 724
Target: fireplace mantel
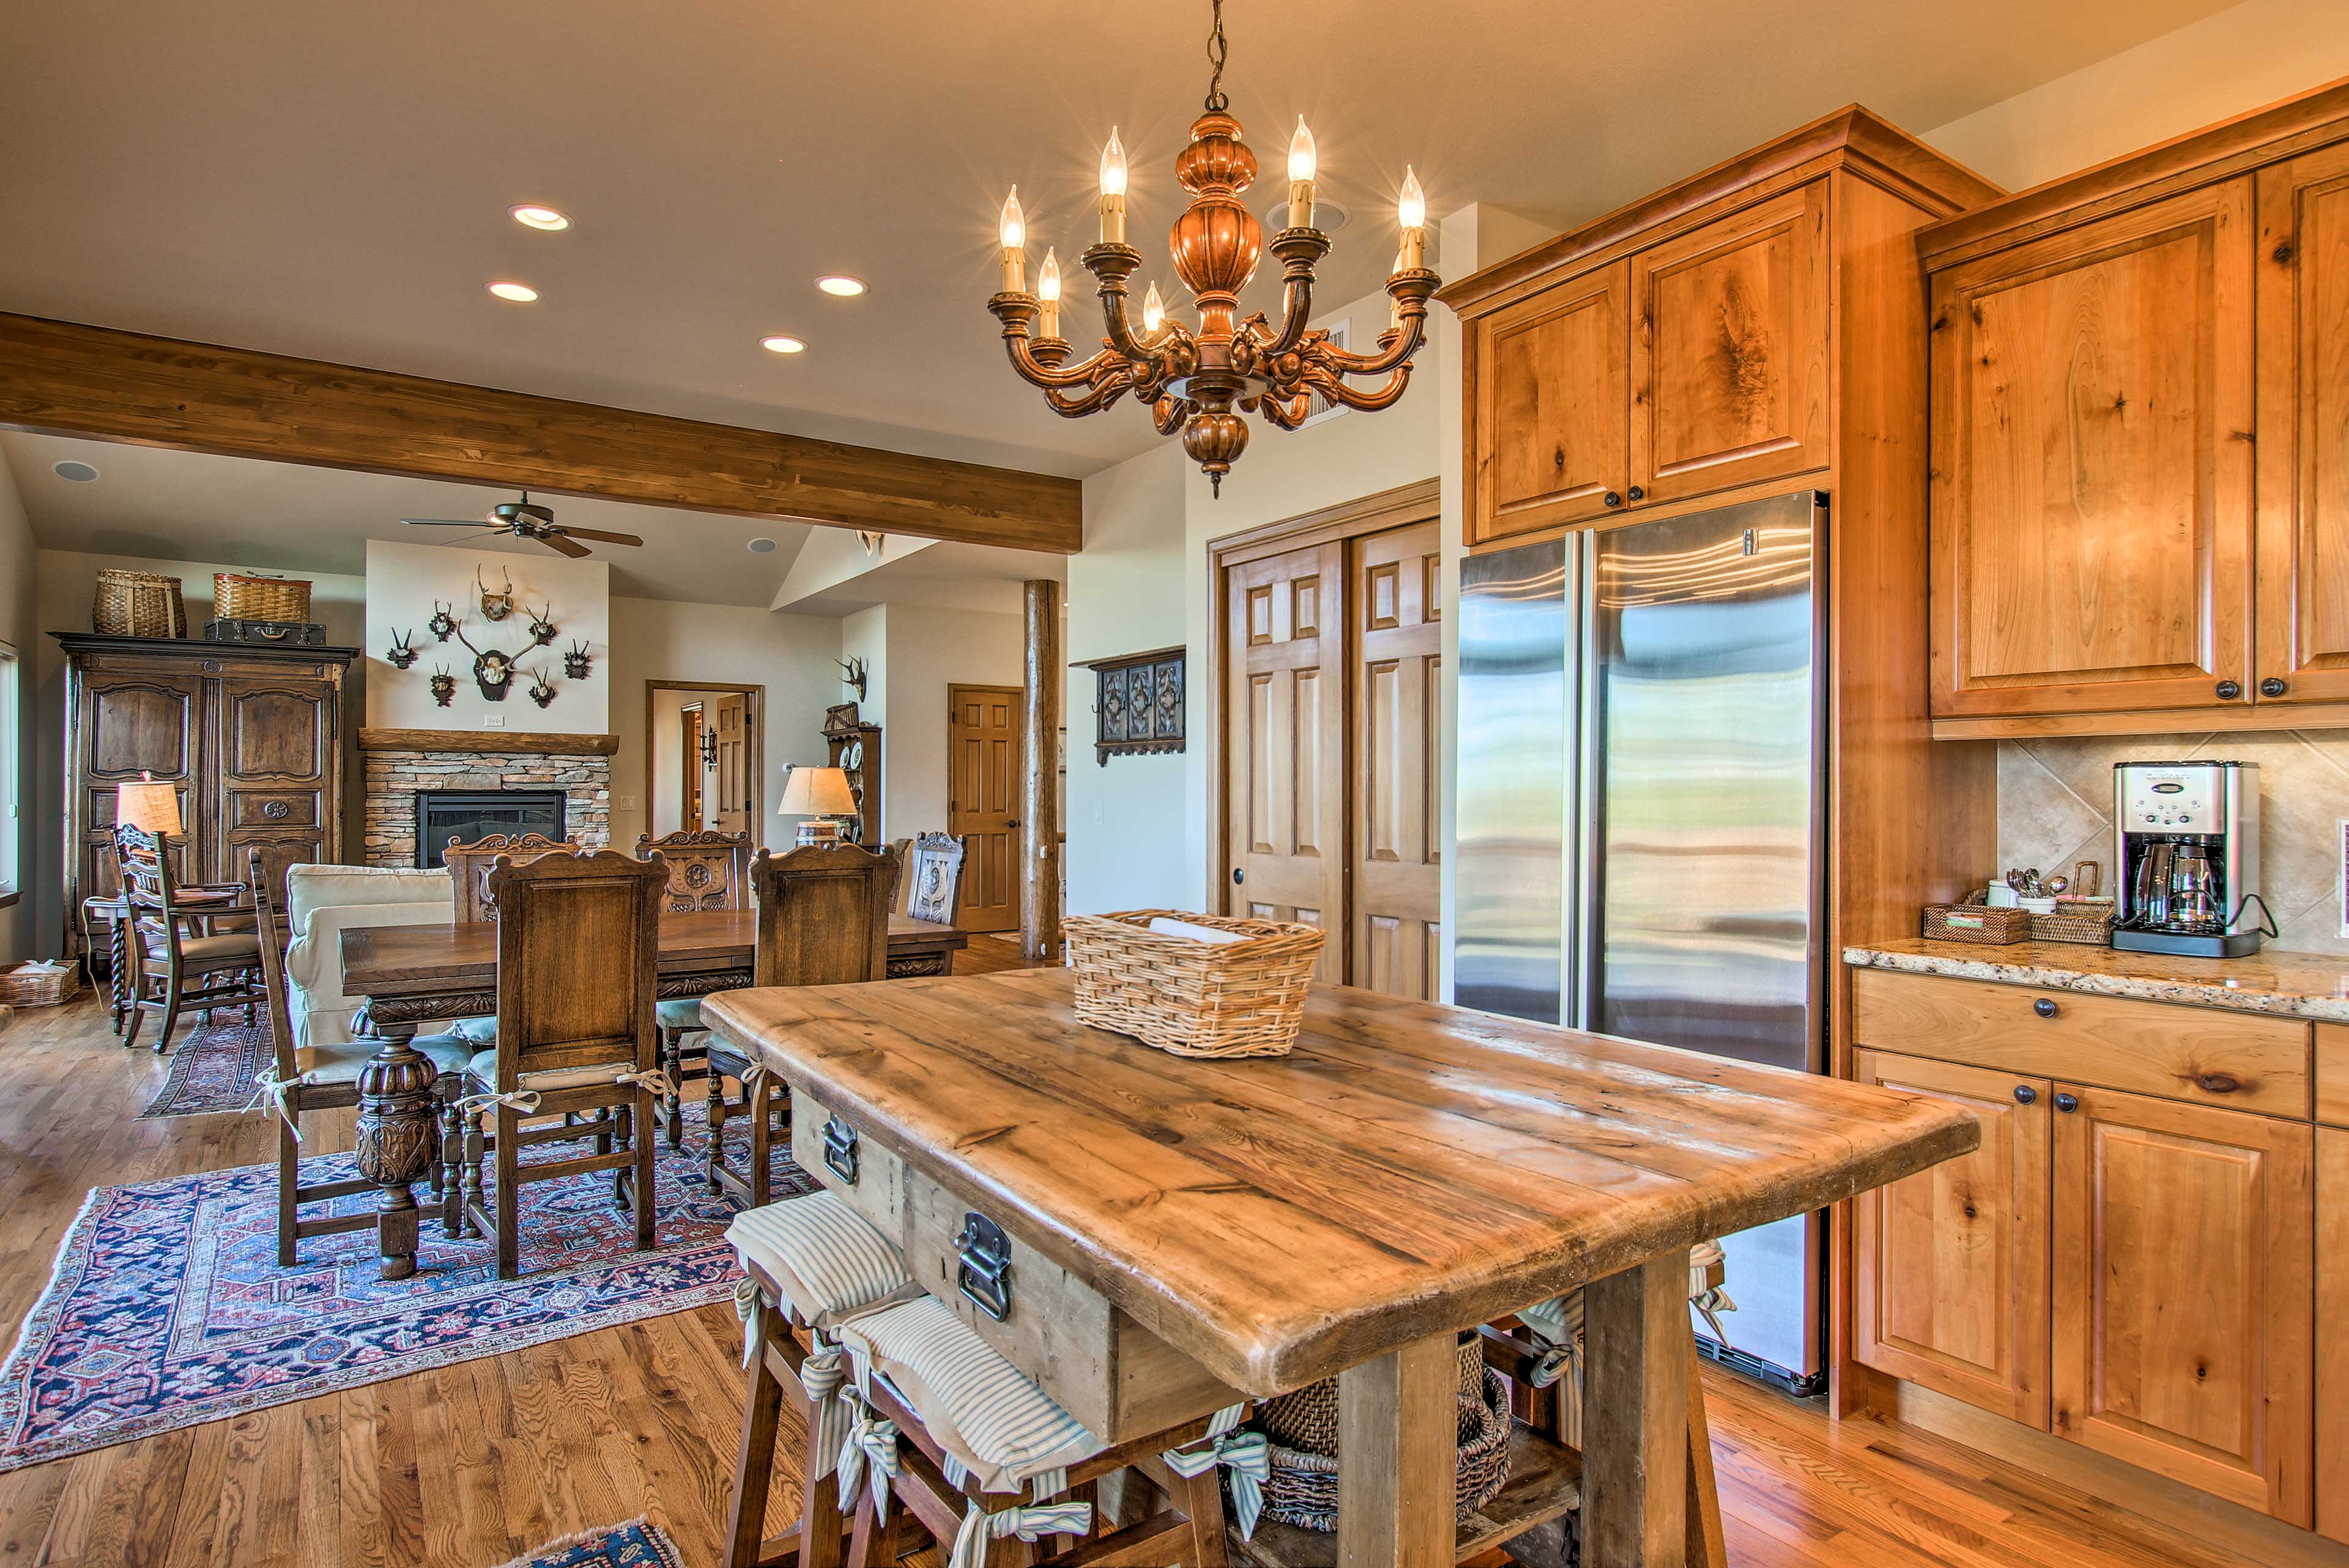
column 489, row 741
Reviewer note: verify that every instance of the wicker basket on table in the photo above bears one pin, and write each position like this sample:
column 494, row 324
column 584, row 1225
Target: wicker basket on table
column 139, row 605
column 239, row 597
column 1189, row 998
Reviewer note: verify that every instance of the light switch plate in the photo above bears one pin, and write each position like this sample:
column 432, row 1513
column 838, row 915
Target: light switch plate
column 493, row 721
column 624, row 802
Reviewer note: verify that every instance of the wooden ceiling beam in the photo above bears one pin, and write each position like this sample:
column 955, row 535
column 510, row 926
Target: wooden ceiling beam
column 65, row 379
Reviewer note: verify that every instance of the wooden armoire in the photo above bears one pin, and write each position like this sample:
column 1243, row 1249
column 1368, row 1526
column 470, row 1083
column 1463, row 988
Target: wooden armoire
column 252, row 735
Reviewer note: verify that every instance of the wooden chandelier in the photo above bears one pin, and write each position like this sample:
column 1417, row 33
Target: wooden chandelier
column 1200, row 381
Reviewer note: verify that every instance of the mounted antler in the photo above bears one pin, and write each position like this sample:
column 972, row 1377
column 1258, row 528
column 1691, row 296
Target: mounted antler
column 855, row 677
column 492, row 670
column 542, row 626
column 541, row 690
column 576, row 663
column 442, row 622
column 495, row 606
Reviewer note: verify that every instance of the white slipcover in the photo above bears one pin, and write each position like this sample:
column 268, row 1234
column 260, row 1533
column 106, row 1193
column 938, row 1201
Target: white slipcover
column 321, row 902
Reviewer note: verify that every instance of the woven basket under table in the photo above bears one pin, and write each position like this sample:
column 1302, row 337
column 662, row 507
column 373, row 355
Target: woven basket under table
column 1188, row 997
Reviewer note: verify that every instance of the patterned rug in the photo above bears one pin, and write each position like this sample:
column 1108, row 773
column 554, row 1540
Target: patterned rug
column 639, row 1543
column 167, row 1308
column 213, row 1068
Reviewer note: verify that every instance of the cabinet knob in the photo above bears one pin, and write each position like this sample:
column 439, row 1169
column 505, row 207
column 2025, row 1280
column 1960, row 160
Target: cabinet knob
column 2272, row 686
column 1560, row 458
column 2044, row 1007
column 2024, row 1094
column 1639, row 494
column 2229, row 690
column 2067, row 1103
column 1612, row 498
column 1238, row 876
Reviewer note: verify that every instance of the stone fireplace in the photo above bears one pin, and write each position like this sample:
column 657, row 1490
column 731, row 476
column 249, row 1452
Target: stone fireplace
column 403, row 767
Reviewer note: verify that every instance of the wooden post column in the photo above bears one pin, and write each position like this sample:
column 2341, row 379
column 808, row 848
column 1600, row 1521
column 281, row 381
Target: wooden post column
column 1039, row 787
column 1635, row 1416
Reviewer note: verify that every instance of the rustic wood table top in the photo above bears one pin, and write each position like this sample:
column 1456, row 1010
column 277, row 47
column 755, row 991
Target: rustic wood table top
column 1410, row 1170
column 464, row 954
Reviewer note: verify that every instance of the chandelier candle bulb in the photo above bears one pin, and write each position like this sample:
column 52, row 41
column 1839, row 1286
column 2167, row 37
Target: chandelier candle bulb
column 1302, row 162
column 1047, row 291
column 1112, row 191
column 1013, row 231
column 1153, row 313
column 1410, row 210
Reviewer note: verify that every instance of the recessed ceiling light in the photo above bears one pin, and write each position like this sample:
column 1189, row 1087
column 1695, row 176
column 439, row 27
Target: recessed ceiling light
column 840, row 283
column 81, row 473
column 763, row 547
column 521, row 293
column 778, row 343
column 546, row 218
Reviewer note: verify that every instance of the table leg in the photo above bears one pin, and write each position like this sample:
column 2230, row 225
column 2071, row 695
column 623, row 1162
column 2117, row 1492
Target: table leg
column 1398, row 1428
column 118, row 971
column 1635, row 1416
column 399, row 1140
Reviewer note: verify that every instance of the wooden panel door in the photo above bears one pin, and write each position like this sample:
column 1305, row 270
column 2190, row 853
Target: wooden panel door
column 1285, row 743
column 1397, row 731
column 2092, row 466
column 984, row 753
column 130, row 722
column 2333, row 1348
column 2182, row 1294
column 1731, row 351
column 1552, row 406
column 2304, row 406
column 1949, row 1266
column 276, row 739
column 730, row 715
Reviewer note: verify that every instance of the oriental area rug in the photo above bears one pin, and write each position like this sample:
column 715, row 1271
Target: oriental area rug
column 639, row 1543
column 168, row 1308
column 213, row 1070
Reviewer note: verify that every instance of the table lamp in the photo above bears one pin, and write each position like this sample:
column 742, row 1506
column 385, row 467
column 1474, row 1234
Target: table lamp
column 150, row 807
column 817, row 795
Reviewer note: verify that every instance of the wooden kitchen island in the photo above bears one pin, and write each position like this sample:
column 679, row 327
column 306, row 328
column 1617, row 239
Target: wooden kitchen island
column 1411, row 1170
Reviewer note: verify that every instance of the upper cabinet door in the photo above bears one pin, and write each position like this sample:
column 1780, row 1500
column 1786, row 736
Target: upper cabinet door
column 2092, row 466
column 1731, row 351
column 1553, row 406
column 2303, row 357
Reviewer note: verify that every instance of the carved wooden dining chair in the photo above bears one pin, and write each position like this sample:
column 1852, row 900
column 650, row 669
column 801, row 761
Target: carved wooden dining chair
column 578, row 954
column 706, row 871
column 177, row 961
column 468, row 873
column 320, row 1077
column 823, row 920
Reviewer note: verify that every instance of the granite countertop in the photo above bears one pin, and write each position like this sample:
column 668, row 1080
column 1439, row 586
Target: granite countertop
column 2288, row 984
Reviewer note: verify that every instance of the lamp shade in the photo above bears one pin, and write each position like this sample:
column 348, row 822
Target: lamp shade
column 148, row 806
column 816, row 792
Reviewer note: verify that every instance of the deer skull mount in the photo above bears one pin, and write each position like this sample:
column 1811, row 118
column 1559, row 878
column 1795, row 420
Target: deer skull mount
column 494, row 606
column 494, row 671
column 444, row 687
column 856, row 677
column 542, row 626
column 402, row 652
column 575, row 662
column 541, row 690
column 442, row 623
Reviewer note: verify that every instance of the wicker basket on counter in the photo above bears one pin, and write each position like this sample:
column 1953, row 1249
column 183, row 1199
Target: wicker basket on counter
column 238, row 597
column 139, row 605
column 1188, row 997
column 1976, row 923
column 2087, row 921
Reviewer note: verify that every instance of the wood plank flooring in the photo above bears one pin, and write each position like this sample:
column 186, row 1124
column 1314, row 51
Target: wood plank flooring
column 471, row 1465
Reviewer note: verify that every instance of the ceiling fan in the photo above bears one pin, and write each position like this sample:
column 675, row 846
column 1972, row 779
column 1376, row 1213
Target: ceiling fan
column 526, row 519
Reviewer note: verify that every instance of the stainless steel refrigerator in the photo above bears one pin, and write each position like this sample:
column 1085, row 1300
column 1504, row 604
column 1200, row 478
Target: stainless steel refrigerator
column 1641, row 809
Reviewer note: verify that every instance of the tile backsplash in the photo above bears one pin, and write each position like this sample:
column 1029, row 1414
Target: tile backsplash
column 2055, row 808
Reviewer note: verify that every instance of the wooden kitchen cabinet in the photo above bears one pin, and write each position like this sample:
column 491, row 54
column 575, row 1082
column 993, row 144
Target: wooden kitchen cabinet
column 2091, row 492
column 2183, row 1245
column 1950, row 1265
column 2333, row 1346
column 1558, row 388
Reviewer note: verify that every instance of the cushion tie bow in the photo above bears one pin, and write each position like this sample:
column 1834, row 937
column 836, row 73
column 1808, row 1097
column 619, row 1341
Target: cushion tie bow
column 1556, row 1362
column 1247, row 1455
column 271, row 1089
column 830, row 1412
column 871, row 1440
column 1030, row 1522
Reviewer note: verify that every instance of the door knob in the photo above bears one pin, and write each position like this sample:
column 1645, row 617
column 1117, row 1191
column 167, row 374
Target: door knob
column 2272, row 686
column 1238, row 876
column 2067, row 1103
column 1011, row 822
column 2024, row 1094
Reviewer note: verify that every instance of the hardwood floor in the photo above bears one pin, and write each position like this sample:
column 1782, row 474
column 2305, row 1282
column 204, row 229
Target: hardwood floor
column 468, row 1466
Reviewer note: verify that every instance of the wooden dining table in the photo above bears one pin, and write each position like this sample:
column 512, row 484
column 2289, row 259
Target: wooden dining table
column 1409, row 1172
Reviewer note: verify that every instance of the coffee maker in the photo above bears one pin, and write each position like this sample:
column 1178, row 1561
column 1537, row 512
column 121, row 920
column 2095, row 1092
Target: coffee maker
column 2186, row 843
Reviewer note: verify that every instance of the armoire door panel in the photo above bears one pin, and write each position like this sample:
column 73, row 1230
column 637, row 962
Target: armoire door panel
column 1950, row 1275
column 2092, row 465
column 2303, row 407
column 1731, row 352
column 1395, row 723
column 1554, row 413
column 2183, row 1247
column 138, row 724
column 274, row 730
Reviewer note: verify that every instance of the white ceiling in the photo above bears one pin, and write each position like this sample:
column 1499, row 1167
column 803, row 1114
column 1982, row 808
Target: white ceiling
column 333, row 179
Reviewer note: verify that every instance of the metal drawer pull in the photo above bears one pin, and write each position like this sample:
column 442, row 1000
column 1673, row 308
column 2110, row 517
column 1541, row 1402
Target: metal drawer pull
column 984, row 1258
column 840, row 1149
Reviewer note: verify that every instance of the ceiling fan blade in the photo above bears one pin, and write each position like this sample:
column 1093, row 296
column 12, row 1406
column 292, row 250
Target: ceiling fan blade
column 446, row 523
column 554, row 540
column 599, row 534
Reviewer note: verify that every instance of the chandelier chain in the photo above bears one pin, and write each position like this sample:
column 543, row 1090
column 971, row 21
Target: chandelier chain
column 1216, row 50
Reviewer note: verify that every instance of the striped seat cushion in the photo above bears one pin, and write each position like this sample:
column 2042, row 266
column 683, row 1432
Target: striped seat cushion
column 826, row 1258
column 1559, row 1320
column 989, row 1417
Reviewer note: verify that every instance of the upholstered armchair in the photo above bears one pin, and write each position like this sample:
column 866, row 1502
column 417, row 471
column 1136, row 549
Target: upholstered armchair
column 324, row 901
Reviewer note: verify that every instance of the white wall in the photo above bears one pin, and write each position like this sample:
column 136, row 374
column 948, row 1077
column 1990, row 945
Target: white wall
column 930, row 649
column 18, row 630
column 2214, row 69
column 404, row 581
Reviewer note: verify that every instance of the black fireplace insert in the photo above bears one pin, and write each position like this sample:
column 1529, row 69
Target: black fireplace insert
column 470, row 815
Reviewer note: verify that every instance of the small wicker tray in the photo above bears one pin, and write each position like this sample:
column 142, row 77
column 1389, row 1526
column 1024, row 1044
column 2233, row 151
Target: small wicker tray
column 1976, row 923
column 2087, row 921
column 1192, row 998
